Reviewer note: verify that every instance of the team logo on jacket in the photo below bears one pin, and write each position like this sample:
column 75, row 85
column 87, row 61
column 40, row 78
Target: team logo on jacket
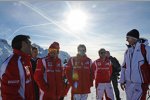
column 27, row 70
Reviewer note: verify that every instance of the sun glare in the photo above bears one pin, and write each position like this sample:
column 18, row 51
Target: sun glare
column 76, row 20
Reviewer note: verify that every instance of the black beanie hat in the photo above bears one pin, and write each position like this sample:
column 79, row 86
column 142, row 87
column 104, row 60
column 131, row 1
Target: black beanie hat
column 134, row 33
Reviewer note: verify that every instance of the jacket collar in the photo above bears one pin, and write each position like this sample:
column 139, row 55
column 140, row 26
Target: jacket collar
column 81, row 57
column 104, row 59
column 22, row 54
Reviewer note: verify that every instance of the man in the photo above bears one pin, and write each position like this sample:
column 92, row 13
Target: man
column 34, row 58
column 49, row 74
column 135, row 73
column 79, row 74
column 34, row 62
column 16, row 72
column 116, row 68
column 102, row 69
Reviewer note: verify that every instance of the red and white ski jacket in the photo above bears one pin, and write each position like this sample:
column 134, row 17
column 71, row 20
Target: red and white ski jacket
column 102, row 70
column 79, row 70
column 132, row 68
column 49, row 77
column 17, row 78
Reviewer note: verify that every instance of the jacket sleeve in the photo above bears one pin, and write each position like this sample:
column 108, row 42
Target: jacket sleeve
column 122, row 78
column 148, row 54
column 39, row 76
column 118, row 66
column 10, row 82
column 69, row 71
column 123, row 68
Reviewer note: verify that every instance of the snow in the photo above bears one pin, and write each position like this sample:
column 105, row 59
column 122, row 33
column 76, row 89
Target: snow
column 92, row 95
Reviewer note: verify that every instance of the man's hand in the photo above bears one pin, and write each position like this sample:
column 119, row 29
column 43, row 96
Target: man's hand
column 122, row 85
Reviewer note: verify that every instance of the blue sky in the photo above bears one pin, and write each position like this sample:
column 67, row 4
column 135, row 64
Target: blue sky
column 106, row 24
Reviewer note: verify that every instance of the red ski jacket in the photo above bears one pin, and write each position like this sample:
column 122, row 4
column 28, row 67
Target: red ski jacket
column 79, row 73
column 17, row 78
column 102, row 71
column 49, row 77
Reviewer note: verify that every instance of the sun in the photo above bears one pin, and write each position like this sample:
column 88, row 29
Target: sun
column 76, row 20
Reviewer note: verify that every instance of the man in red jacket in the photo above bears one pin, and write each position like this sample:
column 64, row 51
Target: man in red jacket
column 79, row 74
column 102, row 69
column 16, row 72
column 49, row 74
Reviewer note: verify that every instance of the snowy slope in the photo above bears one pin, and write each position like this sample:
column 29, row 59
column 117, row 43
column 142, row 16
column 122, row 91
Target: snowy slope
column 92, row 95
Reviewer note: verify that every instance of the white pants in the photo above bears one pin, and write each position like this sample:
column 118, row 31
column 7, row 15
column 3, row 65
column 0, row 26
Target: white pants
column 102, row 87
column 135, row 91
column 80, row 96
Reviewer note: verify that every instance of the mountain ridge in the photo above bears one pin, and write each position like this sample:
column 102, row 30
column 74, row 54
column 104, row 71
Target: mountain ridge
column 6, row 51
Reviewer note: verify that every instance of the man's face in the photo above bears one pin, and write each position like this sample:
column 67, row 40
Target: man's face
column 102, row 54
column 81, row 51
column 131, row 40
column 34, row 53
column 26, row 47
column 53, row 52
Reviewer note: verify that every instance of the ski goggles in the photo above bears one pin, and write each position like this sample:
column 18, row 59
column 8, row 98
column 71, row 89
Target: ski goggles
column 102, row 52
column 82, row 49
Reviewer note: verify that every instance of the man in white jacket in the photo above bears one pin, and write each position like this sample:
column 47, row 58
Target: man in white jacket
column 135, row 72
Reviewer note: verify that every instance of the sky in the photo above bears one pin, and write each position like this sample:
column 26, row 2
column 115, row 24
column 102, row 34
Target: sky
column 97, row 24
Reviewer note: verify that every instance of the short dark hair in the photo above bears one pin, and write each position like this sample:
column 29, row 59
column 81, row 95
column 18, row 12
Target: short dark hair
column 34, row 48
column 17, row 41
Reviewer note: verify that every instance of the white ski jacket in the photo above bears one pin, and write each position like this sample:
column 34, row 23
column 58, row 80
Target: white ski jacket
column 133, row 60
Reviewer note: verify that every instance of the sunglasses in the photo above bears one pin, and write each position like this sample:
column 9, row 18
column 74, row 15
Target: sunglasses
column 81, row 49
column 102, row 52
column 53, row 50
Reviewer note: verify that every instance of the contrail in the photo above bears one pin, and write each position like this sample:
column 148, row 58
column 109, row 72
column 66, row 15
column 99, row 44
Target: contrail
column 35, row 9
column 26, row 27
